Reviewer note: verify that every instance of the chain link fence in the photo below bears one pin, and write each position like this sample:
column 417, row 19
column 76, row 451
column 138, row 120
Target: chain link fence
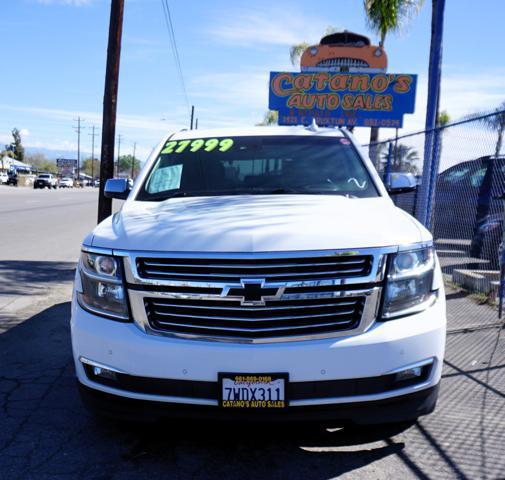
column 463, row 208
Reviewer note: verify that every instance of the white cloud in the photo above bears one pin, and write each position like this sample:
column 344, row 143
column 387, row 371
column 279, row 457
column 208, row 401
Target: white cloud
column 245, row 89
column 146, row 130
column 277, row 26
column 134, row 122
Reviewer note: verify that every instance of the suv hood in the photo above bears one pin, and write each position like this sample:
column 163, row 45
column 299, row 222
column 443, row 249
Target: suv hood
column 258, row 223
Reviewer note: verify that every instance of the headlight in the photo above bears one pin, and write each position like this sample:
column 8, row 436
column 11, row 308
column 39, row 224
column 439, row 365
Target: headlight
column 409, row 287
column 102, row 286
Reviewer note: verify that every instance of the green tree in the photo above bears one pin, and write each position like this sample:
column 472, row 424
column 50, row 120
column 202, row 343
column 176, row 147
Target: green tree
column 296, row 51
column 494, row 123
column 86, row 167
column 383, row 17
column 443, row 119
column 16, row 147
column 271, row 118
column 41, row 163
column 404, row 159
column 125, row 164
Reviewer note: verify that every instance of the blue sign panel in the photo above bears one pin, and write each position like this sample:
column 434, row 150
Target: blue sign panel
column 334, row 99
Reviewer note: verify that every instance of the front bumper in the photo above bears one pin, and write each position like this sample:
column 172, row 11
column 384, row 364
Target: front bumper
column 398, row 409
column 384, row 348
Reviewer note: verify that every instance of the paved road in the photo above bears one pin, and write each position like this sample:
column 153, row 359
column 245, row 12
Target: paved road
column 45, row 224
column 46, row 434
column 41, row 232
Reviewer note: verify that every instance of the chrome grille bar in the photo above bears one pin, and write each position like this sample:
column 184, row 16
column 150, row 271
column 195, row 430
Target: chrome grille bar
column 245, row 266
column 302, row 295
column 261, row 319
column 238, row 275
column 254, row 309
column 253, row 330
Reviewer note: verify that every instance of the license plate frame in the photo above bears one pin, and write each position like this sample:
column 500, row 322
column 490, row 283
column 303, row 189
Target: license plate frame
column 256, row 379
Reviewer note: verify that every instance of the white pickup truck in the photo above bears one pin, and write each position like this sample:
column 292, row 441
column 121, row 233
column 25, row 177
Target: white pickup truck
column 263, row 274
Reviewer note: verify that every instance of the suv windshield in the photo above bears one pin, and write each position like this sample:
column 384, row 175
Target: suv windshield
column 258, row 165
column 44, row 175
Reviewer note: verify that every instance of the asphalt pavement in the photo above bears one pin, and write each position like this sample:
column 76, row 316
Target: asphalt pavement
column 40, row 236
column 45, row 433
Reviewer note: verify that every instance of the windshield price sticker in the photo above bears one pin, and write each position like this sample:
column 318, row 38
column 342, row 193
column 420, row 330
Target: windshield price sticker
column 206, row 145
column 253, row 391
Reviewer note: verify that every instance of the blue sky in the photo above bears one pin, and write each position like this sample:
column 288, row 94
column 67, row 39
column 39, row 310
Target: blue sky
column 53, row 57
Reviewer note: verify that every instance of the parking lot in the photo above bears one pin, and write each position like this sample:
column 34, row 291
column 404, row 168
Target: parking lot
column 46, row 433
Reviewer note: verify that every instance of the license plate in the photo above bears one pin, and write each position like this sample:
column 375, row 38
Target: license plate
column 253, row 391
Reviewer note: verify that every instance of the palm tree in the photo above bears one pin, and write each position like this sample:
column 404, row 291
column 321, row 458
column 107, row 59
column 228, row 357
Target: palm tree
column 296, row 51
column 404, row 159
column 495, row 123
column 386, row 16
column 443, row 119
column 270, row 118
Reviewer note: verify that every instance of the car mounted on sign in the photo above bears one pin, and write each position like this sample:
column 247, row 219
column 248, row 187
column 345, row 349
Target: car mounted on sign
column 344, row 52
column 343, row 83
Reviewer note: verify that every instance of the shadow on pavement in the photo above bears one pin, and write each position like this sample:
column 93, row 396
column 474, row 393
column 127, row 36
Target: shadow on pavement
column 44, row 428
column 18, row 277
column 46, row 433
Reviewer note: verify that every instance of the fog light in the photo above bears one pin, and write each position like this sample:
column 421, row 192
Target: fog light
column 104, row 373
column 409, row 374
column 96, row 371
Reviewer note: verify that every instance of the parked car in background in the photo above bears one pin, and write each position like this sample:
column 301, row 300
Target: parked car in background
column 96, row 183
column 4, row 178
column 12, row 179
column 66, row 183
column 45, row 180
column 467, row 206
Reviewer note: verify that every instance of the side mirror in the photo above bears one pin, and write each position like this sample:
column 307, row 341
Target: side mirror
column 399, row 182
column 117, row 188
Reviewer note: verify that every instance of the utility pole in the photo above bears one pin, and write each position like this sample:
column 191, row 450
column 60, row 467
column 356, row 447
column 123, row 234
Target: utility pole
column 133, row 160
column 118, row 153
column 93, row 135
column 192, row 116
column 110, row 105
column 196, row 124
column 78, row 130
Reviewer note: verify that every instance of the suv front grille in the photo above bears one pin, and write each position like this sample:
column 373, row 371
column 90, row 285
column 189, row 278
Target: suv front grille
column 270, row 269
column 276, row 318
column 258, row 297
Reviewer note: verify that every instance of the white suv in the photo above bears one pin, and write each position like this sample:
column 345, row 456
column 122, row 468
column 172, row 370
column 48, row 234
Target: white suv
column 260, row 273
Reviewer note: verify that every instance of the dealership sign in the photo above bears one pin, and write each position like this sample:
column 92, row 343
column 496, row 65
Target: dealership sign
column 334, row 99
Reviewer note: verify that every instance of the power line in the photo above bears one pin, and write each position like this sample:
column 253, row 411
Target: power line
column 133, row 159
column 110, row 105
column 119, row 137
column 78, row 130
column 93, row 135
column 175, row 51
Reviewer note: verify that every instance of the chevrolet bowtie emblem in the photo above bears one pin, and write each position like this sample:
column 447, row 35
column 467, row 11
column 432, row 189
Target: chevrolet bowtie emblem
column 253, row 292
